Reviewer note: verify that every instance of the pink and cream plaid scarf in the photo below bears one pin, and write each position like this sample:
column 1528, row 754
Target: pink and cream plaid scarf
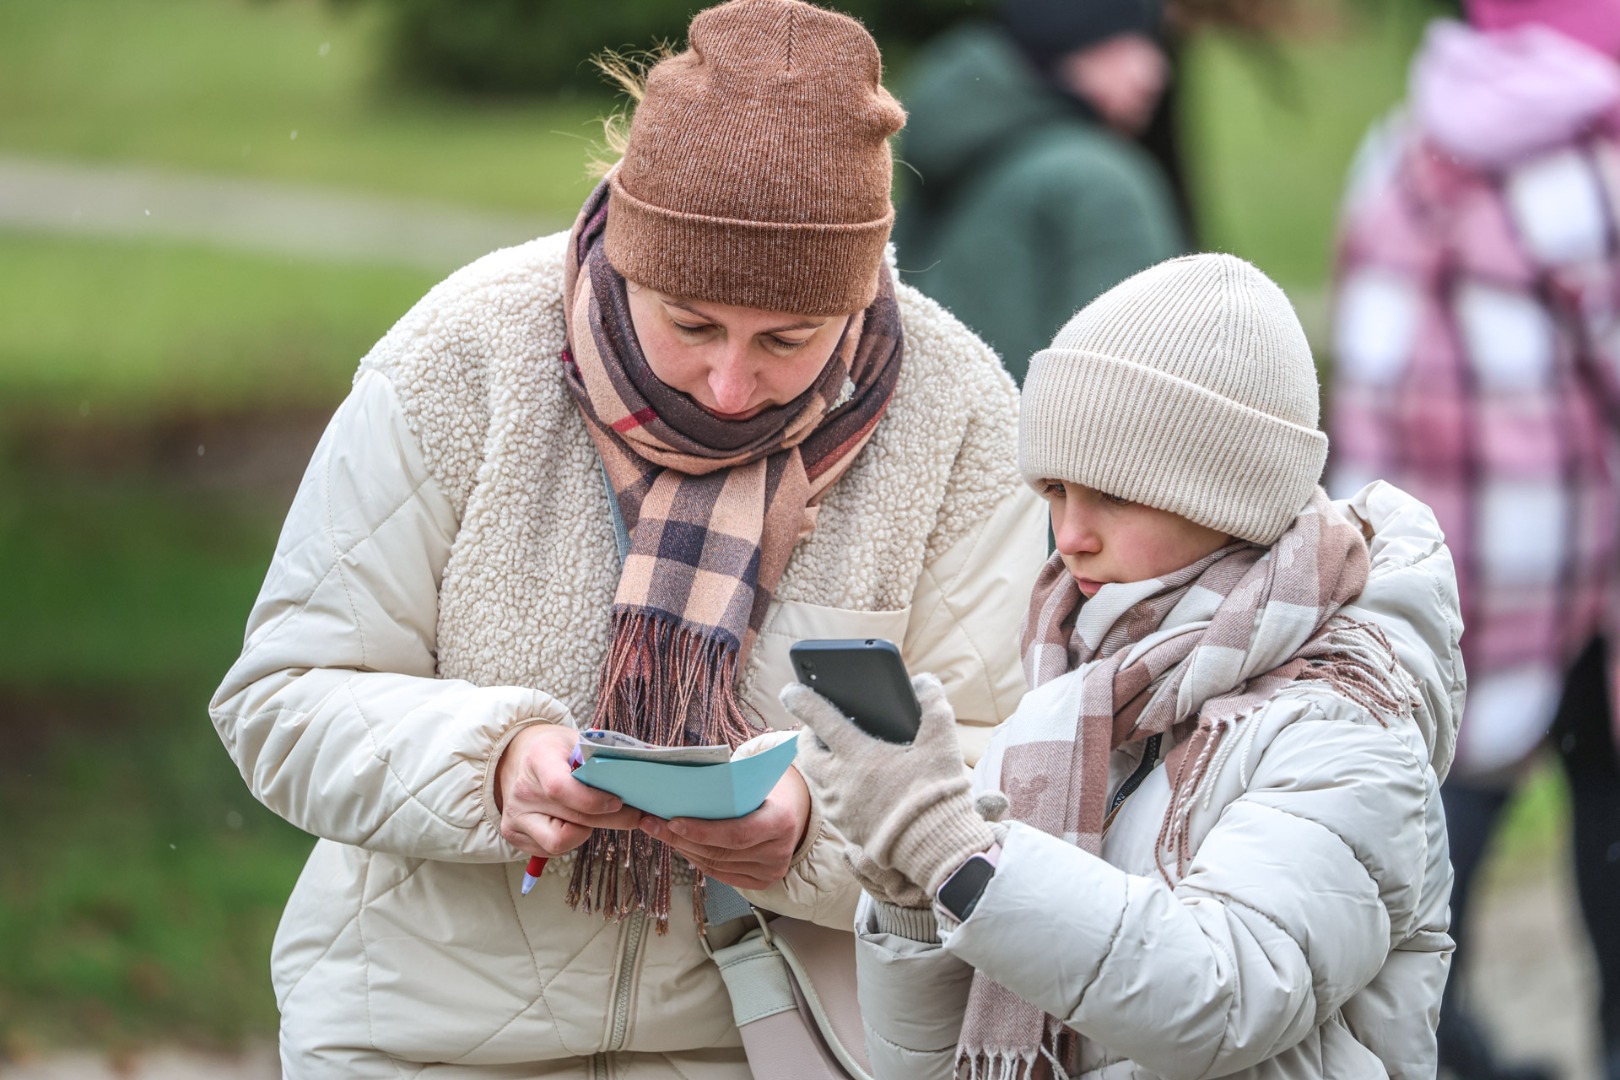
column 714, row 509
column 1247, row 621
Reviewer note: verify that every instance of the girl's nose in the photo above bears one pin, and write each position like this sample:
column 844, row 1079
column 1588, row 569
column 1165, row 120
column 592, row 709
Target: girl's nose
column 1073, row 532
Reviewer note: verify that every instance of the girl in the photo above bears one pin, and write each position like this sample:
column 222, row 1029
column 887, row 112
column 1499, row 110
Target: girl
column 1226, row 853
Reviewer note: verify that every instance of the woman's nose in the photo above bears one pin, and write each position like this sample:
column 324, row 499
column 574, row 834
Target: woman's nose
column 732, row 380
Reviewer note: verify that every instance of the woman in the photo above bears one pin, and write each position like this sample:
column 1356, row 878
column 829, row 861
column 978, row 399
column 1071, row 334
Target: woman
column 717, row 361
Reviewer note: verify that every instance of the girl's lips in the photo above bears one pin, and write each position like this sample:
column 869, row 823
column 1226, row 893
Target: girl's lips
column 1088, row 586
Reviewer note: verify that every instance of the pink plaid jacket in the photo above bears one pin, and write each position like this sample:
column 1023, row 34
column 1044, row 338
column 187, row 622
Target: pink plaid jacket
column 1476, row 344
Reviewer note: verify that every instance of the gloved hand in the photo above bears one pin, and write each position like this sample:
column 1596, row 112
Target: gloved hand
column 889, row 886
column 893, row 887
column 906, row 806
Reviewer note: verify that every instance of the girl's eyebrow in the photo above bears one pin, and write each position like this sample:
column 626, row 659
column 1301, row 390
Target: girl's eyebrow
column 802, row 324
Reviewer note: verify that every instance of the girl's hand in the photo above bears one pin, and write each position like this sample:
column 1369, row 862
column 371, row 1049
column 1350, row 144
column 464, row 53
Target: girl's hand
column 908, row 807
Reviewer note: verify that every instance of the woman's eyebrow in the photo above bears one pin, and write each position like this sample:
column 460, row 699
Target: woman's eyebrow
column 802, row 324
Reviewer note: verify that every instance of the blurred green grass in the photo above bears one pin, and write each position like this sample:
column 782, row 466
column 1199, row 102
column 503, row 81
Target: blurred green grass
column 221, row 86
column 141, row 882
column 129, row 585
column 127, row 331
column 1269, row 137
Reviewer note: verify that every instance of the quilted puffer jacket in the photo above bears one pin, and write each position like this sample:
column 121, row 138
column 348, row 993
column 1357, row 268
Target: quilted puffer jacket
column 1304, row 939
column 445, row 578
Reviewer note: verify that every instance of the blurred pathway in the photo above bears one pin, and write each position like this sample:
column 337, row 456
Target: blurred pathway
column 260, row 1063
column 127, row 201
column 1533, row 979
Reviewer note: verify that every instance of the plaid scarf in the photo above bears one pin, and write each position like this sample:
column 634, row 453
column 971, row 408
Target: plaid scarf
column 714, row 508
column 1248, row 620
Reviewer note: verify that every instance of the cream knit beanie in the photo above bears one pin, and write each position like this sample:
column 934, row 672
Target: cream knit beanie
column 1189, row 388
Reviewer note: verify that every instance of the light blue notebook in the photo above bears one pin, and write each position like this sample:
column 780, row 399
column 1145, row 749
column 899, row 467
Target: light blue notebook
column 726, row 790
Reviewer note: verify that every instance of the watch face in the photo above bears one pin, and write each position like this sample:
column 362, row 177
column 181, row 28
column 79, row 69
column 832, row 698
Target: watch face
column 961, row 891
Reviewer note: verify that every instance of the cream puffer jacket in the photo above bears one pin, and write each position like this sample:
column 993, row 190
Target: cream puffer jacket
column 445, row 578
column 1306, row 937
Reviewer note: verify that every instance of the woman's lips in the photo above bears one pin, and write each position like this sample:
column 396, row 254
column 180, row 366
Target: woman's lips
column 746, row 414
column 1088, row 586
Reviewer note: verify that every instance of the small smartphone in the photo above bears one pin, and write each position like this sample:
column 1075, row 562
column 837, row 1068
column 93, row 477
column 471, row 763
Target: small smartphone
column 864, row 677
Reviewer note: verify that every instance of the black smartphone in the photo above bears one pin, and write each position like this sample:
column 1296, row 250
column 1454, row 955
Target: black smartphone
column 864, row 677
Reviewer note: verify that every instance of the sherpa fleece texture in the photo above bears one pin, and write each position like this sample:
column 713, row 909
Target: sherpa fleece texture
column 445, row 578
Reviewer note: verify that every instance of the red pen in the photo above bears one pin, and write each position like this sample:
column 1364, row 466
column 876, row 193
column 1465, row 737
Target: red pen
column 537, row 863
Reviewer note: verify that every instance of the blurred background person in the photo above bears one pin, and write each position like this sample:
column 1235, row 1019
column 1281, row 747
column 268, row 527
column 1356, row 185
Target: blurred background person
column 1027, row 194
column 1477, row 333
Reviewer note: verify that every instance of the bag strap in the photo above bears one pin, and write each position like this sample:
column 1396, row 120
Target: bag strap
column 755, row 974
column 788, row 1031
column 621, row 535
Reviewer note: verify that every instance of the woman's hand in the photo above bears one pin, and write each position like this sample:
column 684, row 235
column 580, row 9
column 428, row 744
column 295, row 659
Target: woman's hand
column 544, row 810
column 751, row 852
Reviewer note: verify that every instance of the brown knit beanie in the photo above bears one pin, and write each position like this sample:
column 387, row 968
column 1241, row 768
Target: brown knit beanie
column 757, row 170
column 1189, row 388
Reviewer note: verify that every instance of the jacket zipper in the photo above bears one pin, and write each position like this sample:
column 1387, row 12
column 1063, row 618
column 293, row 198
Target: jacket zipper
column 1150, row 756
column 634, row 931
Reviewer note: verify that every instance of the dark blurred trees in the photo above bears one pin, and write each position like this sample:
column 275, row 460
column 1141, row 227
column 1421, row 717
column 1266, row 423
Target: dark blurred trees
column 525, row 47
column 517, row 47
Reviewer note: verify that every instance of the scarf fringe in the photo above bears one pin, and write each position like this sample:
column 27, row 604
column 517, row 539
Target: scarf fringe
column 669, row 685
column 1003, row 1065
column 1175, row 832
column 1360, row 663
column 1355, row 659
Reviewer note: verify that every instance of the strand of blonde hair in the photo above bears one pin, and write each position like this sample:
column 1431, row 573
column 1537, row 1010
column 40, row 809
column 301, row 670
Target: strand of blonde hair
column 627, row 72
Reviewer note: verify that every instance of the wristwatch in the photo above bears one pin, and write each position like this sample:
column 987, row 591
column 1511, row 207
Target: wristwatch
column 960, row 893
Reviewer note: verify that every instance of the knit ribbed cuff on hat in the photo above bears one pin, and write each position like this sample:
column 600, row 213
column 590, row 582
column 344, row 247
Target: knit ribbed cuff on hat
column 1144, row 435
column 800, row 267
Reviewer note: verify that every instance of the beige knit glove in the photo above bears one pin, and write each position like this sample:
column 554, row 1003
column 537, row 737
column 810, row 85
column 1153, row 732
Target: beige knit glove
column 894, row 888
column 889, row 886
column 906, row 806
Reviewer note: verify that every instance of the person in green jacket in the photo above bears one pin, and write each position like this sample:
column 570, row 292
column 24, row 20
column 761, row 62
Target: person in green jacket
column 1027, row 196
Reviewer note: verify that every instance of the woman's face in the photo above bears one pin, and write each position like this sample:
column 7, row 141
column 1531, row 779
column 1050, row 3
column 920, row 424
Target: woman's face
column 735, row 362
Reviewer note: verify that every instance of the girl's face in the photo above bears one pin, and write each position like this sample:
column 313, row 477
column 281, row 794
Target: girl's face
column 1105, row 540
column 735, row 362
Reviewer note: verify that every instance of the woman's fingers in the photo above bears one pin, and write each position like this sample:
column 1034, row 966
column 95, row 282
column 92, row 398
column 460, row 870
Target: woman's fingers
column 821, row 716
column 762, row 842
column 773, row 852
column 541, row 834
column 554, row 784
column 625, row 817
column 535, row 776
